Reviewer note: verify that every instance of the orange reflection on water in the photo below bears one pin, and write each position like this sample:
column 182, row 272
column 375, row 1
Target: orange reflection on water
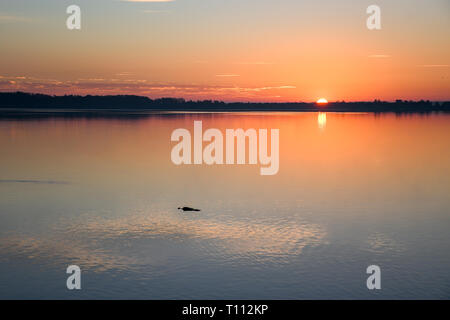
column 357, row 153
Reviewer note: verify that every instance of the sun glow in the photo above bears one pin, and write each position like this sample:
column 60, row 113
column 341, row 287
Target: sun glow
column 322, row 101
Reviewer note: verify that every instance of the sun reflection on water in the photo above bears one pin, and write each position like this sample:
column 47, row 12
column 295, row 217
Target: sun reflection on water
column 322, row 120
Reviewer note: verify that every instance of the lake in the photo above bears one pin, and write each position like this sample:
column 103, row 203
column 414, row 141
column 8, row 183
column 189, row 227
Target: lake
column 352, row 190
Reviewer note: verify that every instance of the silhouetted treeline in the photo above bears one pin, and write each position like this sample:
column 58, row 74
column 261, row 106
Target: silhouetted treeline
column 14, row 100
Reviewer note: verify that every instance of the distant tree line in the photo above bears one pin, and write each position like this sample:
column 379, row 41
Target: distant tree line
column 13, row 100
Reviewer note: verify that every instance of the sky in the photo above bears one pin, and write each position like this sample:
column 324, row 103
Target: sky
column 230, row 50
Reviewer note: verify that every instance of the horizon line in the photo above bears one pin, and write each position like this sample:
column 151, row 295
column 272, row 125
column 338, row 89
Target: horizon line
column 375, row 100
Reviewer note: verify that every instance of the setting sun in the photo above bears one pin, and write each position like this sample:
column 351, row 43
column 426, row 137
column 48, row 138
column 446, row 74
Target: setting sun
column 322, row 101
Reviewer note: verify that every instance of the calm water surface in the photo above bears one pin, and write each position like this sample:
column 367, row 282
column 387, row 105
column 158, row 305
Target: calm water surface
column 352, row 190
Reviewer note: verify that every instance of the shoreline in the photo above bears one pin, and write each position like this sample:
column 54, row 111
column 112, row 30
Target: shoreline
column 41, row 113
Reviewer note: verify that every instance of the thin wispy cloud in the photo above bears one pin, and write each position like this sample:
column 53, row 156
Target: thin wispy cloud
column 147, row 0
column 138, row 87
column 155, row 11
column 434, row 65
column 379, row 56
column 33, row 181
column 11, row 19
column 271, row 88
column 227, row 75
column 124, row 74
column 255, row 63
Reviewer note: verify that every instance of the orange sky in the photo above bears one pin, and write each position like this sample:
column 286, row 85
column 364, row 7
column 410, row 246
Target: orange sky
column 230, row 50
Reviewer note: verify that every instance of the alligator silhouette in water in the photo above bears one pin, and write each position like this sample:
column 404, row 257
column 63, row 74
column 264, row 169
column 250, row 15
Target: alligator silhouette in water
column 188, row 209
